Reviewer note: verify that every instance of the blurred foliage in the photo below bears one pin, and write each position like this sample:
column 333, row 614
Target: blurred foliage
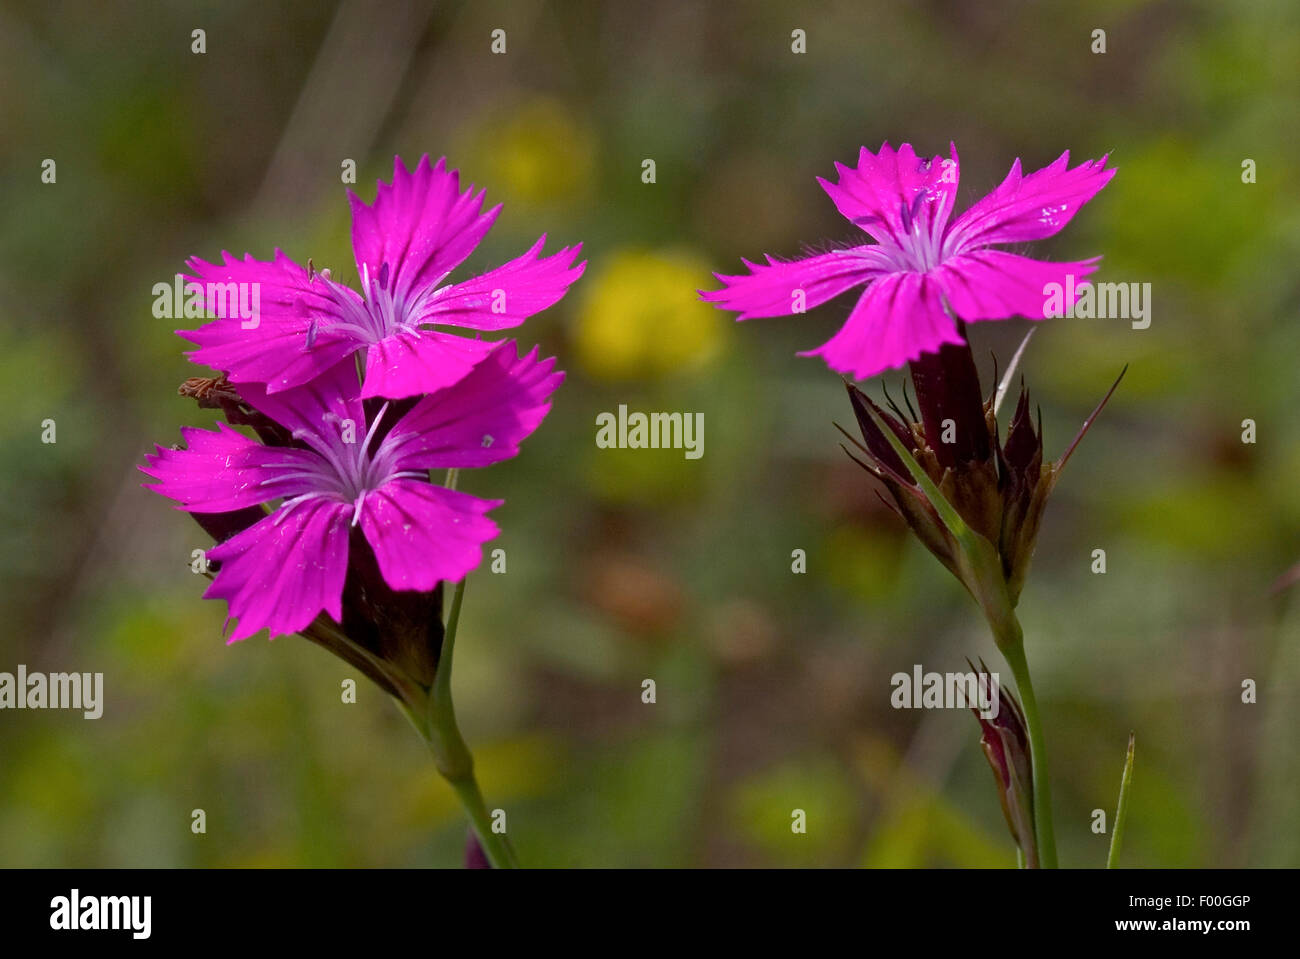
column 772, row 687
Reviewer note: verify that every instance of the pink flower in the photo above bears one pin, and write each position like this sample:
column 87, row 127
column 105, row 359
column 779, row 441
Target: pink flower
column 419, row 229
column 923, row 274
column 344, row 470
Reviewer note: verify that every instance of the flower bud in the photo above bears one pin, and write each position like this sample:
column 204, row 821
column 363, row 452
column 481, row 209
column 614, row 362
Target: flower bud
column 1005, row 741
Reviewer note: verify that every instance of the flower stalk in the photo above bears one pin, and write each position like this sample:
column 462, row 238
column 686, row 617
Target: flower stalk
column 432, row 713
column 972, row 498
column 976, row 501
column 451, row 755
column 1011, row 643
column 979, row 568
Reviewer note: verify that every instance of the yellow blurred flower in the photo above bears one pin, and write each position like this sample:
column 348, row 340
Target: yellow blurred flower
column 536, row 154
column 641, row 317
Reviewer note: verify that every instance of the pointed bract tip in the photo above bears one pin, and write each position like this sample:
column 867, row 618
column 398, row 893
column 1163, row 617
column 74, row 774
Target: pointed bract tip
column 1087, row 424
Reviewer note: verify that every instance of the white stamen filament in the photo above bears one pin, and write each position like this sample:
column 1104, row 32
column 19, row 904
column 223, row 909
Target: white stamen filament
column 344, row 472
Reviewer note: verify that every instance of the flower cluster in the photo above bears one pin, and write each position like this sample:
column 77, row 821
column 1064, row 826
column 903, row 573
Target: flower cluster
column 355, row 399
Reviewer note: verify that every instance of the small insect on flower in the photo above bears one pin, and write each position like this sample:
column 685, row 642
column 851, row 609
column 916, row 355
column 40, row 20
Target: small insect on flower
column 208, row 390
column 924, row 274
column 418, row 230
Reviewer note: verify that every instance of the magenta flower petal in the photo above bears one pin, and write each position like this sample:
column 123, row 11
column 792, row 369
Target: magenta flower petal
column 286, row 291
column 480, row 420
column 896, row 195
column 898, row 318
column 277, row 358
column 770, row 290
column 992, row 285
column 320, row 413
column 1032, row 207
column 224, row 471
column 276, row 350
column 422, row 534
column 421, row 226
column 420, row 361
column 281, row 572
column 508, row 295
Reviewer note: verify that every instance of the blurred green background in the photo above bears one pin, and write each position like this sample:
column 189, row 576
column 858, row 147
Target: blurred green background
column 773, row 688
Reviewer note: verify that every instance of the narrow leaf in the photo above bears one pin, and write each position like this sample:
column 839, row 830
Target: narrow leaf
column 1011, row 370
column 947, row 513
column 978, row 564
column 1121, row 813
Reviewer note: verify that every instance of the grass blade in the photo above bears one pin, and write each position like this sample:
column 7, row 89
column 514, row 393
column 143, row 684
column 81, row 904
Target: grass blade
column 1117, row 834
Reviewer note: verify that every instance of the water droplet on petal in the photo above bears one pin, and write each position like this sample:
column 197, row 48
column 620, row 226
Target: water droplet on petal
column 1051, row 215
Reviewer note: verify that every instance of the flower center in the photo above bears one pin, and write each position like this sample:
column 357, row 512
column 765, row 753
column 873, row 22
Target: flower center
column 387, row 310
column 381, row 311
column 343, row 469
column 917, row 247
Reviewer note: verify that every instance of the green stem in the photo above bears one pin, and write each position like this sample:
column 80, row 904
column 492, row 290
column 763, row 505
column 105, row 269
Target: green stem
column 452, row 756
column 980, row 571
column 1012, row 644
